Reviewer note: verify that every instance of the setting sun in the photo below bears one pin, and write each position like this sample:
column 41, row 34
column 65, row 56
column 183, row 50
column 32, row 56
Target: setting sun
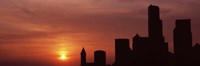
column 63, row 57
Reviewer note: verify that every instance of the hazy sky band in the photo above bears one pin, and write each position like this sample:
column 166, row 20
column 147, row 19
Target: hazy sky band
column 45, row 26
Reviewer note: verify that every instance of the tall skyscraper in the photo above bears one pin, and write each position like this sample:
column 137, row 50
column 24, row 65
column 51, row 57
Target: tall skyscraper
column 154, row 23
column 182, row 38
column 100, row 58
column 159, row 48
column 83, row 57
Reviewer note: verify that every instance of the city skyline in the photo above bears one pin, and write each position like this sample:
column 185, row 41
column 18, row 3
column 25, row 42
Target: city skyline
column 52, row 32
column 152, row 50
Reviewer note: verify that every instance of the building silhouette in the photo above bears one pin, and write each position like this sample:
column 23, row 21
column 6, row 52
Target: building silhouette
column 122, row 52
column 183, row 41
column 182, row 37
column 153, row 50
column 100, row 58
column 83, row 57
column 154, row 23
column 141, row 53
column 196, row 54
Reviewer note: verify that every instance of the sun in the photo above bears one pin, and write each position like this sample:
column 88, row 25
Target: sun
column 63, row 57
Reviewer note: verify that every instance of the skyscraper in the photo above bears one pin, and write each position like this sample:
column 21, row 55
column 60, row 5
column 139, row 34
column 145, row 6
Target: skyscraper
column 154, row 23
column 159, row 49
column 141, row 52
column 122, row 52
column 182, row 38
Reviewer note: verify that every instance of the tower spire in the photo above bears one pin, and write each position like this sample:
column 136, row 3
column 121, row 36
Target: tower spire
column 83, row 57
column 83, row 51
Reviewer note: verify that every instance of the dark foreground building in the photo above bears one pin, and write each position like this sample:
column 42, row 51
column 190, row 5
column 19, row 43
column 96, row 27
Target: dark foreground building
column 183, row 41
column 99, row 58
column 122, row 52
column 153, row 50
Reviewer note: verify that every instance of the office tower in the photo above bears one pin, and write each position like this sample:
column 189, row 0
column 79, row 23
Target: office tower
column 140, row 44
column 83, row 57
column 158, row 47
column 156, row 38
column 100, row 58
column 182, row 38
column 122, row 52
column 141, row 51
column 154, row 23
column 183, row 42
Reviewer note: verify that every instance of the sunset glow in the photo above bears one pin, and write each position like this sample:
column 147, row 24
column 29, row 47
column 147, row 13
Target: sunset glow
column 63, row 57
column 53, row 32
column 63, row 54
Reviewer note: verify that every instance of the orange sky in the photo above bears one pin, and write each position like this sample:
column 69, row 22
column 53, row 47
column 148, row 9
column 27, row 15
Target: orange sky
column 33, row 32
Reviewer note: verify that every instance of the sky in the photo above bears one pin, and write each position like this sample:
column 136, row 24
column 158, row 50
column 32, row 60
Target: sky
column 38, row 32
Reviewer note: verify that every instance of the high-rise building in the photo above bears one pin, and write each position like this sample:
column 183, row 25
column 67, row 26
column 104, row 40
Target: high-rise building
column 141, row 52
column 122, row 52
column 100, row 58
column 154, row 23
column 158, row 47
column 140, row 44
column 182, row 38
